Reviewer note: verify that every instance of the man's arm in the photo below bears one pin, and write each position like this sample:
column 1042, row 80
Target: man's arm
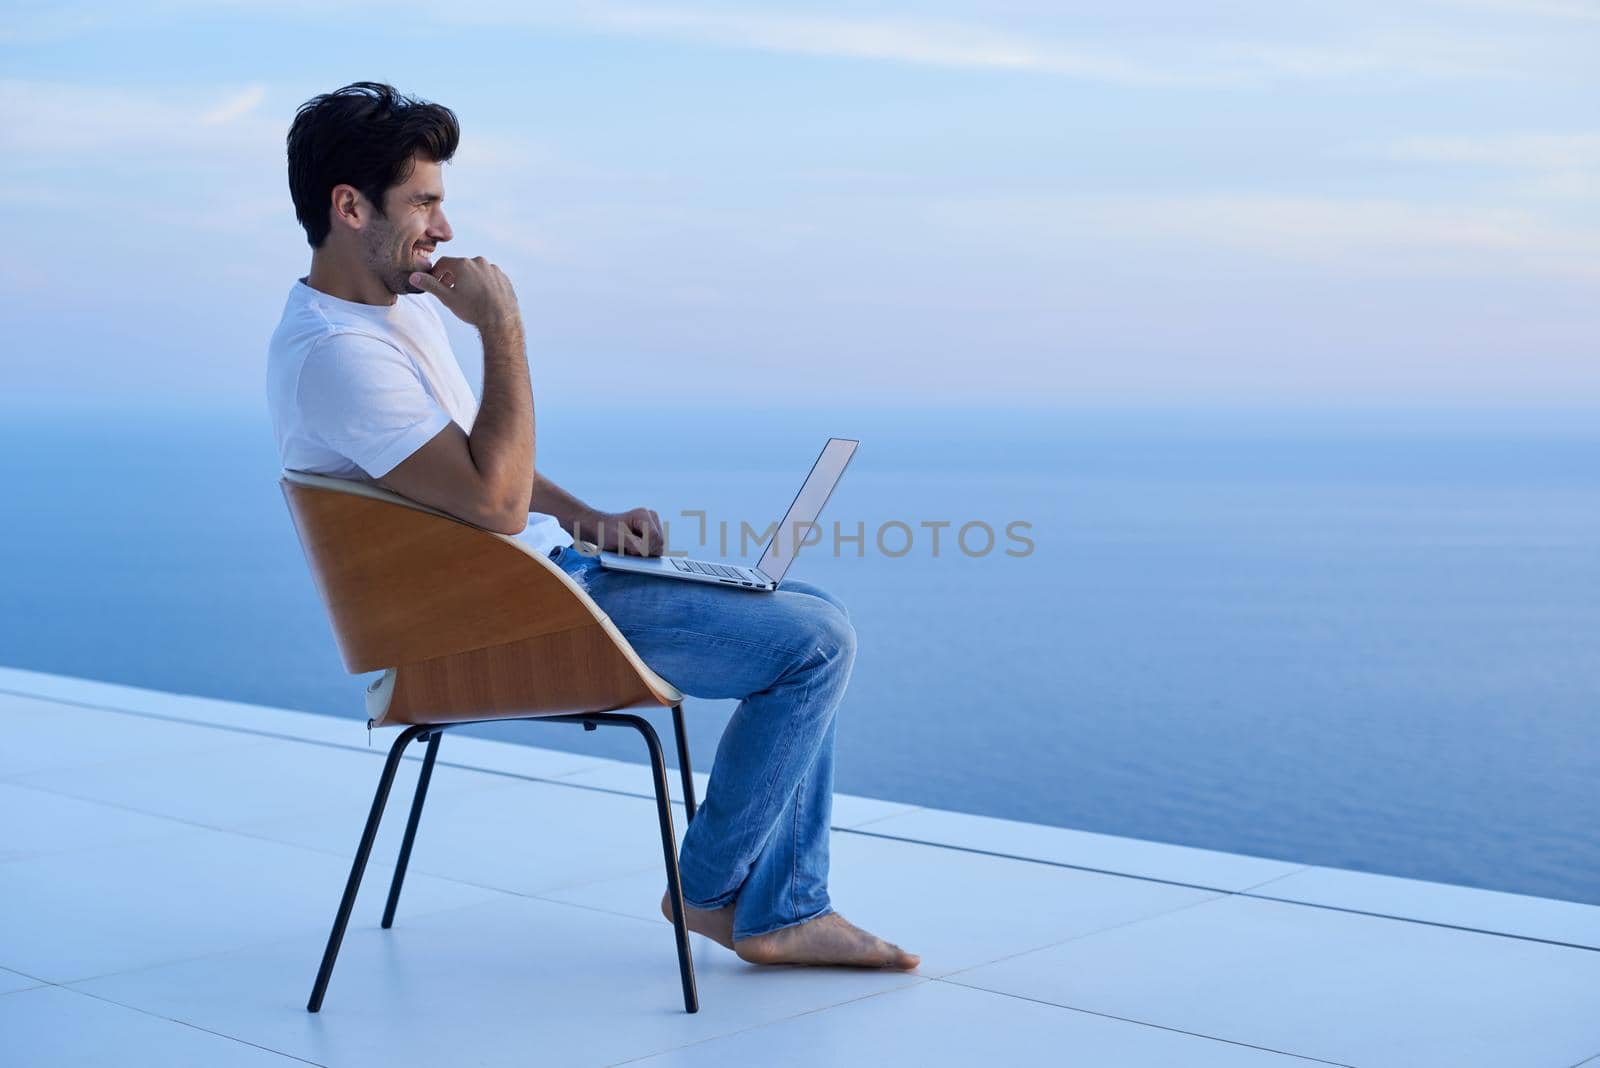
column 575, row 517
column 483, row 477
column 636, row 532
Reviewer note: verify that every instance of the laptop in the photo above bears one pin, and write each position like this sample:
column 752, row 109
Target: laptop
column 781, row 549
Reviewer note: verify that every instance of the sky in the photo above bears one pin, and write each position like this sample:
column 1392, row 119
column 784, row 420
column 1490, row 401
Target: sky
column 888, row 203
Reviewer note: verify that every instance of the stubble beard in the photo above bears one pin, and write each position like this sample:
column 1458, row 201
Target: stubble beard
column 390, row 260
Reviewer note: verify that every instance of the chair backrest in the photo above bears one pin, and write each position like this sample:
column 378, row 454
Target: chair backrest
column 466, row 623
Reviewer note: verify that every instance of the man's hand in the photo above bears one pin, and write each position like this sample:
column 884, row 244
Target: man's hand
column 633, row 533
column 476, row 291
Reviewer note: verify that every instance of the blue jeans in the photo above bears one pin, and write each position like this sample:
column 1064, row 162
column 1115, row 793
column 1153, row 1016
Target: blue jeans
column 760, row 837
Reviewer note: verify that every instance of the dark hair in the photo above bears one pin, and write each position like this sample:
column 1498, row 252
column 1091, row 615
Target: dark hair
column 363, row 135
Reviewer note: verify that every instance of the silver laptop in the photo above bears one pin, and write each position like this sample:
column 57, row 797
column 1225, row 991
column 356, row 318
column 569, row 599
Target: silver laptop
column 781, row 550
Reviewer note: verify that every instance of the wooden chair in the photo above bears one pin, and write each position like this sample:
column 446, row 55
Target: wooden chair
column 468, row 626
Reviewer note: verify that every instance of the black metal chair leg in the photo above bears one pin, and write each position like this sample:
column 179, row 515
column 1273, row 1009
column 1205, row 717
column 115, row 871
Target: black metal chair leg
column 669, row 851
column 411, row 828
column 357, row 869
column 683, row 762
column 669, row 838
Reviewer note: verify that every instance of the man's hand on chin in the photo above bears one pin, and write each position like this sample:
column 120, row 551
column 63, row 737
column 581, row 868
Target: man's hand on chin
column 636, row 532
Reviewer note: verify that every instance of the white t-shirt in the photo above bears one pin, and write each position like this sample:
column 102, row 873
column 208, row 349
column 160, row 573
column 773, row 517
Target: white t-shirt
column 354, row 389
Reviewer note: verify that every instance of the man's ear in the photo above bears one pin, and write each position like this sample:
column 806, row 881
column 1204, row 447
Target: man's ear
column 348, row 207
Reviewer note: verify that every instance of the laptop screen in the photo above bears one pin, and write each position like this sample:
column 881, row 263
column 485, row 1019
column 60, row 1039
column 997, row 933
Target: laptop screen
column 798, row 527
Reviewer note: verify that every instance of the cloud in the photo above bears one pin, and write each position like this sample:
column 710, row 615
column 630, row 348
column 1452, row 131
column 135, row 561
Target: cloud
column 1145, row 44
column 39, row 25
column 921, row 41
column 121, row 162
column 1373, row 237
column 1525, row 166
column 1151, row 48
column 49, row 122
column 234, row 107
column 1579, row 10
column 1523, row 151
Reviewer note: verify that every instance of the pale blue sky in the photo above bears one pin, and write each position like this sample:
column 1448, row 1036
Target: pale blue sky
column 1008, row 202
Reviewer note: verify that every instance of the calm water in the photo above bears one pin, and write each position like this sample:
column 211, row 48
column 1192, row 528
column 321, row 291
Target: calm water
column 1361, row 640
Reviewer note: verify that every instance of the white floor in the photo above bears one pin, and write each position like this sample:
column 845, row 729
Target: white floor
column 169, row 868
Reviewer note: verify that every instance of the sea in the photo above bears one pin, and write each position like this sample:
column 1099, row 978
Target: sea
column 1360, row 637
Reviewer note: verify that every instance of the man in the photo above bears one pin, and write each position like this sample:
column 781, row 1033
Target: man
column 362, row 384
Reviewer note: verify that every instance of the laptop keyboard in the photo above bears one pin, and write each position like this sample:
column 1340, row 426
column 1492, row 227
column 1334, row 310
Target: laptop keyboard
column 702, row 568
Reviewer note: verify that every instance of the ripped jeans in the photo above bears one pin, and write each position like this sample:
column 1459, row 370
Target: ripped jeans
column 760, row 837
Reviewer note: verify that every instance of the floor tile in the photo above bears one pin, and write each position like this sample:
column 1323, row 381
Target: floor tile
column 96, row 911
column 339, row 730
column 196, row 711
column 848, row 810
column 10, row 981
column 47, row 686
column 37, row 823
column 510, row 758
column 1131, row 856
column 331, row 729
column 51, row 1027
column 1534, row 917
column 1346, row 988
column 43, row 736
column 521, row 837
column 635, row 779
column 212, row 710
column 954, row 909
column 267, row 780
column 937, row 1024
column 509, row 983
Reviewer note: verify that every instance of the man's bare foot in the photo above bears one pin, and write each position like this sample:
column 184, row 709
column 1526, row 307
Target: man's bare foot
column 828, row 939
column 715, row 924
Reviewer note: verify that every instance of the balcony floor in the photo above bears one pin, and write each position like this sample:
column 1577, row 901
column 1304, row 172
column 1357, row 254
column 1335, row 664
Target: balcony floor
column 170, row 865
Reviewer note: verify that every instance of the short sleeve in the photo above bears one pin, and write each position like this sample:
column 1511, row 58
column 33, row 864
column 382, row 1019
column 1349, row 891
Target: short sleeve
column 365, row 399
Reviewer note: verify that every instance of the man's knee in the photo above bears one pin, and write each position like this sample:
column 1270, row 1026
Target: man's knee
column 835, row 635
column 822, row 595
column 820, row 636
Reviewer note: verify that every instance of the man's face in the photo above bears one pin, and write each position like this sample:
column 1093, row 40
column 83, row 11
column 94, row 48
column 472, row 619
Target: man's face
column 402, row 239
